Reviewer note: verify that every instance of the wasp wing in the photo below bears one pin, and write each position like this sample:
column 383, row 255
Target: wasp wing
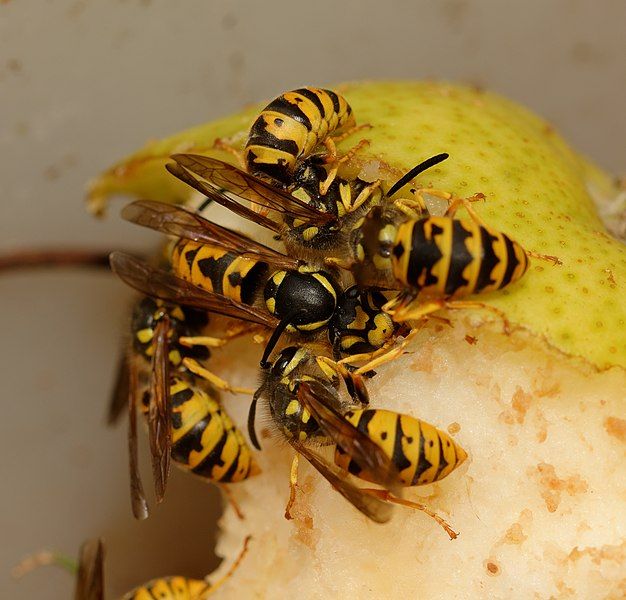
column 137, row 495
column 90, row 577
column 180, row 222
column 166, row 286
column 159, row 415
column 371, row 507
column 364, row 451
column 221, row 198
column 224, row 176
column 121, row 388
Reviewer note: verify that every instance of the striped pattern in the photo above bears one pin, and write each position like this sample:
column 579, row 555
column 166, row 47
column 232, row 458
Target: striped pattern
column 455, row 257
column 204, row 439
column 184, row 321
column 217, row 270
column 421, row 453
column 170, row 588
column 291, row 127
column 359, row 324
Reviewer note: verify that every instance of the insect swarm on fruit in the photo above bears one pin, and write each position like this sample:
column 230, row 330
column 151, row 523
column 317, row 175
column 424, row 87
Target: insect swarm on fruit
column 515, row 402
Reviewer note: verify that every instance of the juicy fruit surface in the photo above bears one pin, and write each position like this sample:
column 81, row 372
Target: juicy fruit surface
column 535, row 190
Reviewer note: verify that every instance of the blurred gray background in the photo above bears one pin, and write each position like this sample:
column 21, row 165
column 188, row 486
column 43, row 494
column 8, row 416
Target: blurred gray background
column 84, row 83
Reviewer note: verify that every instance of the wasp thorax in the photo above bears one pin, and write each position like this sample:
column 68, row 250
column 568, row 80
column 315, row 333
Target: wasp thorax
column 360, row 324
column 307, row 299
column 183, row 322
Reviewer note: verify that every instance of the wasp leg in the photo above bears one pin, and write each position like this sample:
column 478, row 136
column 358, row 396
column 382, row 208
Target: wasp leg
column 413, row 310
column 397, row 306
column 293, row 484
column 364, row 195
column 346, row 134
column 350, row 205
column 334, row 162
column 411, row 207
column 417, row 311
column 389, row 497
column 202, row 340
column 389, row 355
column 456, row 203
column 437, row 193
column 366, row 356
column 472, row 304
column 231, row 500
column 369, row 357
column 211, row 587
column 237, row 329
column 197, row 369
column 354, row 382
column 226, row 145
column 553, row 259
column 214, row 342
column 340, row 263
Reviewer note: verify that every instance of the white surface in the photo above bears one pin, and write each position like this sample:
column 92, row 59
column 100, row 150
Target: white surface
column 82, row 84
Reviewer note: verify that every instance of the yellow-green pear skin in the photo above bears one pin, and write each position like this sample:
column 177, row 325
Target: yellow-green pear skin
column 535, row 188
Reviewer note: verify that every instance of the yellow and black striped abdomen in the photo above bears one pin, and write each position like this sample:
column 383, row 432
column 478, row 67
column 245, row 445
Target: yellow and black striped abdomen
column 421, row 453
column 455, row 257
column 290, row 127
column 217, row 270
column 204, row 439
column 170, row 588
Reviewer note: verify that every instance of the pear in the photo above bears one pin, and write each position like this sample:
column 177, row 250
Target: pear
column 540, row 409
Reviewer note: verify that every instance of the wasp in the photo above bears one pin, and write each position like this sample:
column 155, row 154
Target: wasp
column 89, row 572
column 183, row 588
column 186, row 420
column 290, row 127
column 236, row 271
column 387, row 242
column 380, row 446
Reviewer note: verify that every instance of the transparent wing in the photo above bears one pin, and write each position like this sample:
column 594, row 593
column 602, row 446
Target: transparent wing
column 90, row 577
column 166, row 286
column 137, row 495
column 224, row 176
column 367, row 454
column 159, row 415
column 118, row 403
column 233, row 204
column 180, row 222
column 371, row 507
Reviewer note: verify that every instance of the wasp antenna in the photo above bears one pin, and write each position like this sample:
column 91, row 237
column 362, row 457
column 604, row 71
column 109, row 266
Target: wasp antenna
column 252, row 419
column 415, row 171
column 271, row 344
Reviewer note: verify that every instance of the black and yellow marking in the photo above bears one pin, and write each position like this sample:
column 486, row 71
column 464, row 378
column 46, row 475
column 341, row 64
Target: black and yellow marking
column 420, row 452
column 359, row 324
column 292, row 366
column 184, row 321
column 455, row 257
column 170, row 588
column 313, row 294
column 218, row 270
column 291, row 127
column 307, row 295
column 204, row 439
column 338, row 200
